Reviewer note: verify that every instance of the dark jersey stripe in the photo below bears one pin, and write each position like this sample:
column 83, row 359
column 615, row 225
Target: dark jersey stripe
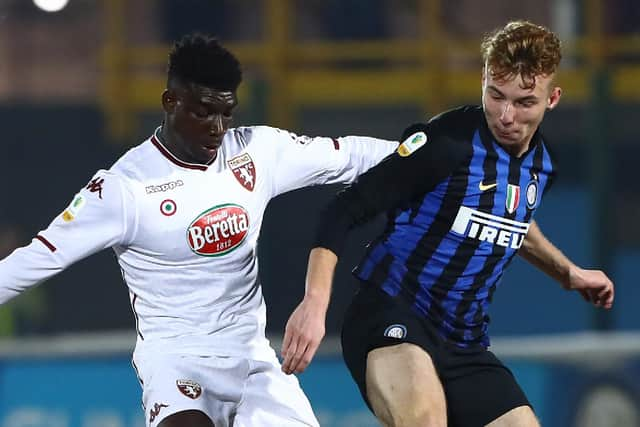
column 529, row 170
column 449, row 296
column 397, row 237
column 442, row 217
column 476, row 261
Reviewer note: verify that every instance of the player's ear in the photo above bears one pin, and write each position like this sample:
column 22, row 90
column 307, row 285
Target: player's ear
column 169, row 101
column 554, row 98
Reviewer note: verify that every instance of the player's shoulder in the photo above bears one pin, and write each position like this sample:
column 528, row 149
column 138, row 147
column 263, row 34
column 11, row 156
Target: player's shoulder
column 262, row 140
column 450, row 131
column 138, row 163
column 246, row 135
column 458, row 123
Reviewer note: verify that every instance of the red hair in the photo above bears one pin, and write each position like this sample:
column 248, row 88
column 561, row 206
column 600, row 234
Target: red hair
column 521, row 48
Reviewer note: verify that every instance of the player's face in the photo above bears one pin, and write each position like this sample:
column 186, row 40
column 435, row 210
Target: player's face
column 197, row 118
column 514, row 113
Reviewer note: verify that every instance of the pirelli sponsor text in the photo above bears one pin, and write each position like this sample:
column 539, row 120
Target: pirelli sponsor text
column 489, row 228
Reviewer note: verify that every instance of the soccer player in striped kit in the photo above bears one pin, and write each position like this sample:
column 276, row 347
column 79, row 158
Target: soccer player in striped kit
column 460, row 194
column 183, row 211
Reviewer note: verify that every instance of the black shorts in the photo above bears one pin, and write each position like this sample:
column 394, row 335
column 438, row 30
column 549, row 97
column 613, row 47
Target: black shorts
column 477, row 386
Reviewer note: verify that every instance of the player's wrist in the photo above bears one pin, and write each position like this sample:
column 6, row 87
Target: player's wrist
column 570, row 277
column 318, row 298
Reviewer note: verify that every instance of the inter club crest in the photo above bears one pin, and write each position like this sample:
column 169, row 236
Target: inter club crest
column 244, row 170
column 532, row 194
column 189, row 388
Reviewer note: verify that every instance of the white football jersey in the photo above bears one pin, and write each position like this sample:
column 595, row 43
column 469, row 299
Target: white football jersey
column 185, row 235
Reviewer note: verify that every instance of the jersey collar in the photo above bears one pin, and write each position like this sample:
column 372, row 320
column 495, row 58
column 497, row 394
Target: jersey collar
column 155, row 140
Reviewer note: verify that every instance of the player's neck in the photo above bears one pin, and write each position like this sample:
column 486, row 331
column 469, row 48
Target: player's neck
column 168, row 142
column 516, row 150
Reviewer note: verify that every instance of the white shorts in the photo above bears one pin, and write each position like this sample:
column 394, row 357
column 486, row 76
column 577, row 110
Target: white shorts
column 232, row 391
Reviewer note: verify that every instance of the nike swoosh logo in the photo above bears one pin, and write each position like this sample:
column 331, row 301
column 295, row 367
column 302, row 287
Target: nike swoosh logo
column 486, row 187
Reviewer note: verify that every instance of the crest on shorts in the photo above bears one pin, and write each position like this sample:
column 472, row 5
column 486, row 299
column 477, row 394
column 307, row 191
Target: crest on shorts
column 189, row 388
column 396, row 331
column 244, row 170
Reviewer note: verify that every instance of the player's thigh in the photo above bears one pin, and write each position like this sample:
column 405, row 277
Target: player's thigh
column 187, row 419
column 480, row 389
column 271, row 398
column 174, row 384
column 521, row 416
column 403, row 385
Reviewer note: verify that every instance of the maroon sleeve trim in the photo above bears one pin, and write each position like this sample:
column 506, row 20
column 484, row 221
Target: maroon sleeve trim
column 47, row 243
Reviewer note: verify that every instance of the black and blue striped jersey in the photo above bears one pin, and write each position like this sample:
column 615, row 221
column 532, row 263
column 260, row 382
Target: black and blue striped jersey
column 459, row 207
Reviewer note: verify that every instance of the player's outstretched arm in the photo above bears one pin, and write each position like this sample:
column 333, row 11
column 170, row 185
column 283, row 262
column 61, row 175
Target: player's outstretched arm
column 593, row 285
column 306, row 325
column 416, row 168
column 96, row 219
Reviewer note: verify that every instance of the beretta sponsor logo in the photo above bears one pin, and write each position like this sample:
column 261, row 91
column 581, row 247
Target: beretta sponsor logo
column 218, row 230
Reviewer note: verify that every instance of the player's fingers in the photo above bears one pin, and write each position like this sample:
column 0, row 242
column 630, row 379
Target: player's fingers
column 288, row 357
column 296, row 358
column 307, row 357
column 611, row 297
column 585, row 295
column 286, row 340
column 604, row 291
column 607, row 298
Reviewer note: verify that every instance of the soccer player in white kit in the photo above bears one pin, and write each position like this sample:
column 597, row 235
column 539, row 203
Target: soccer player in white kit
column 182, row 212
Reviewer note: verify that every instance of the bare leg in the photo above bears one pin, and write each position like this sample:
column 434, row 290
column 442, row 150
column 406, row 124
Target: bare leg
column 522, row 416
column 403, row 387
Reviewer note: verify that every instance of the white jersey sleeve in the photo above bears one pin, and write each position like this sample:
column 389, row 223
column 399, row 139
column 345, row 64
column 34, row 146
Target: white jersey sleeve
column 98, row 217
column 302, row 161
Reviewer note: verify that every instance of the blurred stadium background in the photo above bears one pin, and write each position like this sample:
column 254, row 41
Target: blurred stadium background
column 81, row 85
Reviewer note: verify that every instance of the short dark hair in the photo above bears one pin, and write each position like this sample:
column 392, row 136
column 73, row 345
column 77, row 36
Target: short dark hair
column 200, row 59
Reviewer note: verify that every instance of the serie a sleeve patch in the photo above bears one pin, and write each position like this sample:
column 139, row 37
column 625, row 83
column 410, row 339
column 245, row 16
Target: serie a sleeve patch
column 74, row 208
column 411, row 144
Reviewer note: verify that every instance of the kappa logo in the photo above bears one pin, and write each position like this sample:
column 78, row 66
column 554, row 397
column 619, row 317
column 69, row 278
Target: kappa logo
column 189, row 388
column 164, row 187
column 411, row 144
column 95, row 185
column 244, row 170
column 155, row 411
column 489, row 228
column 397, row 331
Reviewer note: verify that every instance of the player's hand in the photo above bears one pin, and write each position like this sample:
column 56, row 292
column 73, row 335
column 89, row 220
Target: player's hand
column 594, row 286
column 302, row 335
